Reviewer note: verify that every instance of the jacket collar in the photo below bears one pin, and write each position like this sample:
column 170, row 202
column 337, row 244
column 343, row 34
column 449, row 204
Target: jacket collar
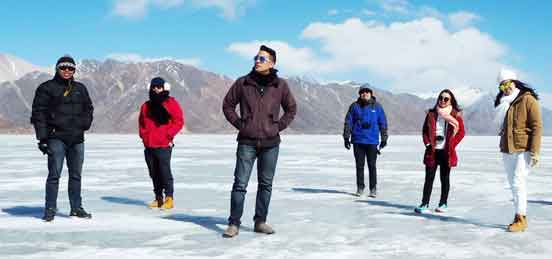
column 249, row 79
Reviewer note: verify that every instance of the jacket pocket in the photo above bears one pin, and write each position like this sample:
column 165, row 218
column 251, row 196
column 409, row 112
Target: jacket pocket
column 521, row 138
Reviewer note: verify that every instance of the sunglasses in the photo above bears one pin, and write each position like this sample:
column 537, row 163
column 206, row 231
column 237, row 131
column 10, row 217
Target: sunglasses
column 66, row 68
column 261, row 59
column 505, row 85
column 444, row 98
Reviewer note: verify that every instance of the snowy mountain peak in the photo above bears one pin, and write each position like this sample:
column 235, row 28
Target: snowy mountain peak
column 12, row 68
column 466, row 96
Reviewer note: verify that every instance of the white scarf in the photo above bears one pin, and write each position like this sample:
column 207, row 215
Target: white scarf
column 502, row 108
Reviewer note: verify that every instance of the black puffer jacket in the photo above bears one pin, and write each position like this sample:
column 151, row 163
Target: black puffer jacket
column 63, row 117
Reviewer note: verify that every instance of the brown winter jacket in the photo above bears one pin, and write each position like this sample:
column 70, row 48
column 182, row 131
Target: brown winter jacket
column 522, row 126
column 259, row 123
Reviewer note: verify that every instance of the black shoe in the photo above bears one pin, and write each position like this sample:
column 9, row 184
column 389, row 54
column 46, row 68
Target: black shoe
column 80, row 213
column 49, row 214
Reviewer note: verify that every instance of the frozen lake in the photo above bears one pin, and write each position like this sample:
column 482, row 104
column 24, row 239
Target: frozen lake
column 312, row 209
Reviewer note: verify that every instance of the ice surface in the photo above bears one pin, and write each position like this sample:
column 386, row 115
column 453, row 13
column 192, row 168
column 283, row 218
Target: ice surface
column 312, row 209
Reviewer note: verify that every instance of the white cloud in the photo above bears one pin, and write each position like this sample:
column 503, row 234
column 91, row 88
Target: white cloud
column 396, row 6
column 417, row 55
column 368, row 12
column 333, row 12
column 138, row 8
column 462, row 19
column 137, row 58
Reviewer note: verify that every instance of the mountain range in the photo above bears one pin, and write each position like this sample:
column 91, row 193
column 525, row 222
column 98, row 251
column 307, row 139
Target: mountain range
column 118, row 89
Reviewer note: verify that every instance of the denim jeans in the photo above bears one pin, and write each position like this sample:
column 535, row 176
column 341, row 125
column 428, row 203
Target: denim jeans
column 75, row 157
column 266, row 166
column 369, row 153
column 159, row 166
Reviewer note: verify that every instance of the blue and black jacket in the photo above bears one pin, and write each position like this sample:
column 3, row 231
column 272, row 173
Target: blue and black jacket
column 365, row 122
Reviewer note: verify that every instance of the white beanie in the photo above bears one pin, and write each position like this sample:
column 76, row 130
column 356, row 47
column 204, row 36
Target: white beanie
column 506, row 74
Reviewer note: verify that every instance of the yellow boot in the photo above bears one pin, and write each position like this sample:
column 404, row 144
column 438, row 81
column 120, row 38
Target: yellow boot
column 168, row 204
column 157, row 203
column 519, row 224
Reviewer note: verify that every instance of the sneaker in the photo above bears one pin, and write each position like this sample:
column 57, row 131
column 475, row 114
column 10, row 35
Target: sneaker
column 231, row 231
column 359, row 192
column 442, row 208
column 422, row 208
column 168, row 204
column 373, row 193
column 262, row 227
column 157, row 203
column 49, row 214
column 80, row 213
column 519, row 224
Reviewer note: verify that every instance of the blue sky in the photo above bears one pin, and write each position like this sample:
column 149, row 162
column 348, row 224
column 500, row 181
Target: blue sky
column 408, row 46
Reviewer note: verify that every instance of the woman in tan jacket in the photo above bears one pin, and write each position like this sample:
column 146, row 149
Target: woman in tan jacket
column 519, row 122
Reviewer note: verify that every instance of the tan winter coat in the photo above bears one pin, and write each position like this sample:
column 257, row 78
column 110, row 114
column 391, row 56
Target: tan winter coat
column 522, row 126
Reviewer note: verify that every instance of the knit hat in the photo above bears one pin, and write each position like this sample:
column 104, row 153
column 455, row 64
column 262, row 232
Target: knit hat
column 66, row 61
column 365, row 88
column 506, row 74
column 158, row 81
column 269, row 51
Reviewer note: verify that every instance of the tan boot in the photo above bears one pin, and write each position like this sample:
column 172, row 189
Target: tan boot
column 519, row 224
column 262, row 227
column 231, row 231
column 157, row 203
column 168, row 204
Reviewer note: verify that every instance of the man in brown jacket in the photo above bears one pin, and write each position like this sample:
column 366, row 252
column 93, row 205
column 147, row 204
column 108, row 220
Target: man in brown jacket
column 520, row 125
column 260, row 94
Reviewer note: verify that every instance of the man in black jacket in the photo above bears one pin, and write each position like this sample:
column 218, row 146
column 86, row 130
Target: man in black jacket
column 62, row 111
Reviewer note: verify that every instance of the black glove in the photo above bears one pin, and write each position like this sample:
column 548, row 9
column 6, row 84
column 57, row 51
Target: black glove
column 383, row 143
column 238, row 124
column 43, row 146
column 347, row 143
column 428, row 147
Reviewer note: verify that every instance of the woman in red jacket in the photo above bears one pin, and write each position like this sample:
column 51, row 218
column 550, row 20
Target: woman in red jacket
column 161, row 118
column 442, row 131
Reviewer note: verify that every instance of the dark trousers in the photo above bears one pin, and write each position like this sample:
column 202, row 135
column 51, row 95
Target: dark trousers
column 369, row 153
column 75, row 158
column 266, row 167
column 159, row 166
column 441, row 159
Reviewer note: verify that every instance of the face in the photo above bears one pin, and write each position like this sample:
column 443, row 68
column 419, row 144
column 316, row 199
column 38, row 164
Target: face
column 366, row 95
column 507, row 87
column 263, row 62
column 444, row 100
column 66, row 72
column 157, row 89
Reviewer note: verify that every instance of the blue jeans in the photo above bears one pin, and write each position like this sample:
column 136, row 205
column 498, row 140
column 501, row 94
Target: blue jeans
column 75, row 158
column 266, row 166
column 159, row 166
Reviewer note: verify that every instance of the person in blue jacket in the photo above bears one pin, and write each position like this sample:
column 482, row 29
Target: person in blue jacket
column 365, row 127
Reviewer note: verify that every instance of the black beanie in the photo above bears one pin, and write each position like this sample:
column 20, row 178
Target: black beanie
column 269, row 51
column 66, row 61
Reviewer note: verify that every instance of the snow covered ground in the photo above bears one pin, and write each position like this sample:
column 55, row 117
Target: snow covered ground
column 312, row 210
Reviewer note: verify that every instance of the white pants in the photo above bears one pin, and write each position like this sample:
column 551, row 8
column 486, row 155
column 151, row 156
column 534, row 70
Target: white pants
column 517, row 167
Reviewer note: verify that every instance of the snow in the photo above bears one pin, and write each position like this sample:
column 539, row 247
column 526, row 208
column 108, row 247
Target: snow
column 312, row 209
column 465, row 96
column 12, row 68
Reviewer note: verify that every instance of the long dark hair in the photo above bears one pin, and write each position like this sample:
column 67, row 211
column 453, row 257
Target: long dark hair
column 453, row 101
column 523, row 87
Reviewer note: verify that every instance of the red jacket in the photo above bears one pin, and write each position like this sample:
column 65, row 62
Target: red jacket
column 160, row 136
column 428, row 133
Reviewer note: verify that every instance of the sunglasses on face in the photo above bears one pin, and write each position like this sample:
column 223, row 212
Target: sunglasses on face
column 66, row 68
column 261, row 59
column 444, row 98
column 505, row 85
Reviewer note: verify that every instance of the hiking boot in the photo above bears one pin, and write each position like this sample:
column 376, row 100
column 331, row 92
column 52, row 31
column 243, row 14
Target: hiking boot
column 231, row 231
column 168, row 204
column 373, row 193
column 442, row 208
column 519, row 224
column 157, row 203
column 80, row 213
column 359, row 192
column 49, row 214
column 422, row 208
column 262, row 227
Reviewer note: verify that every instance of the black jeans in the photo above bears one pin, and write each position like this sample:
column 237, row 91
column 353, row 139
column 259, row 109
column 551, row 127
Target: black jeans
column 441, row 159
column 266, row 167
column 75, row 158
column 370, row 153
column 159, row 166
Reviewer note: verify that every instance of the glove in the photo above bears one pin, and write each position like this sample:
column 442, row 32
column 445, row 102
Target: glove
column 238, row 124
column 347, row 144
column 383, row 143
column 534, row 160
column 428, row 147
column 43, row 147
